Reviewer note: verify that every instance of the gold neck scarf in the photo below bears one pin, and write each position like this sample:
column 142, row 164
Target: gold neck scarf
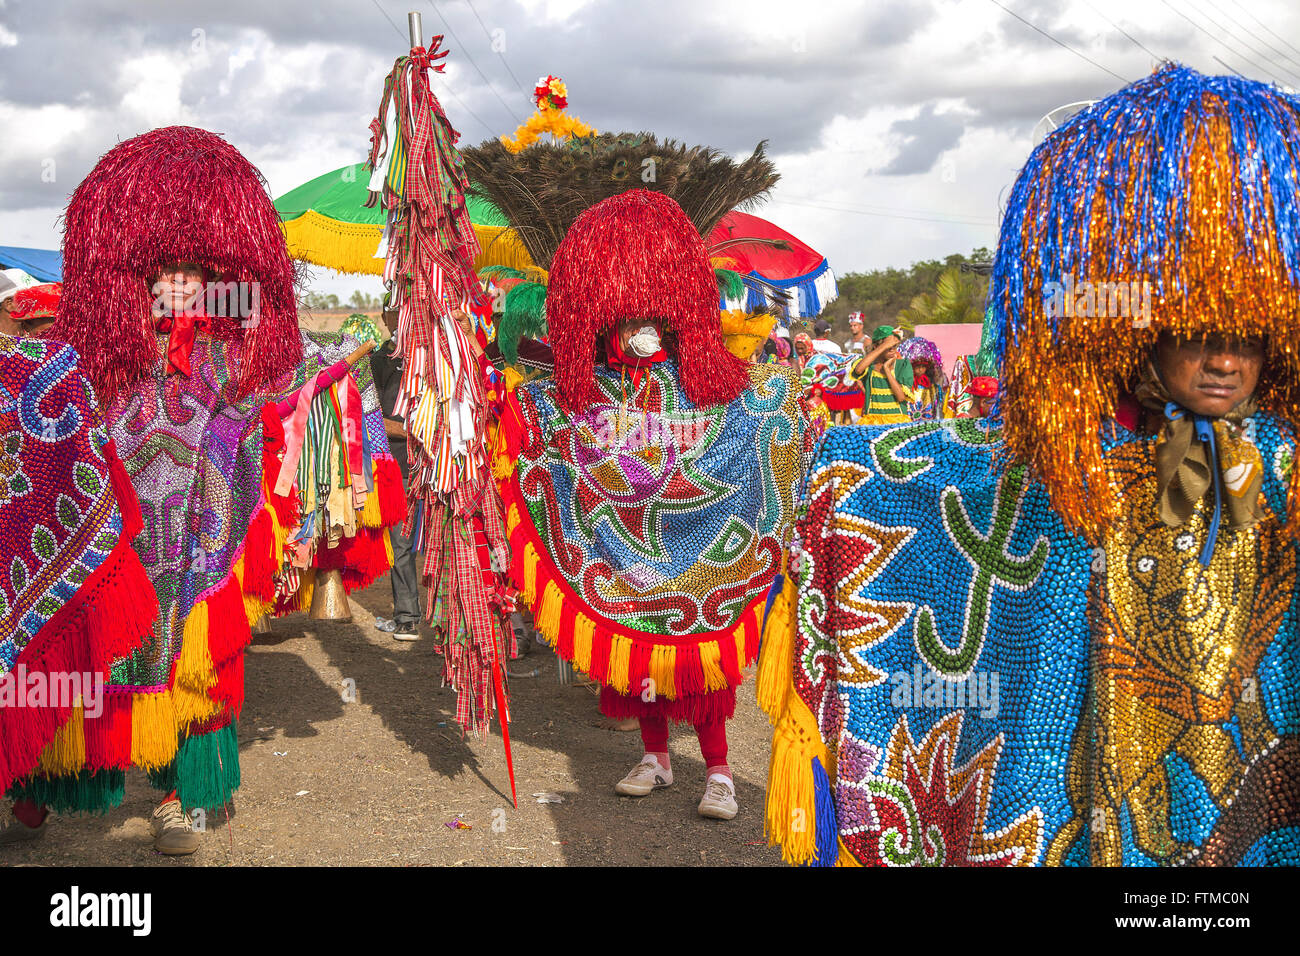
column 1184, row 460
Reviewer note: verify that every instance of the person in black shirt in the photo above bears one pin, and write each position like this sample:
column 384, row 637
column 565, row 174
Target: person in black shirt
column 386, row 365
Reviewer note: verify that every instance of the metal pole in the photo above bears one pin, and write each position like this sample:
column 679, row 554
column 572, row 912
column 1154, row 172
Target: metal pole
column 417, row 34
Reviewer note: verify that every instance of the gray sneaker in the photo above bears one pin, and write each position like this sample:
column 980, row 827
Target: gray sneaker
column 13, row 830
column 719, row 800
column 406, row 632
column 648, row 775
column 173, row 831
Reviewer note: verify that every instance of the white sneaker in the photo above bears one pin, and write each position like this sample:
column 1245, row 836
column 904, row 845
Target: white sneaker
column 719, row 800
column 648, row 775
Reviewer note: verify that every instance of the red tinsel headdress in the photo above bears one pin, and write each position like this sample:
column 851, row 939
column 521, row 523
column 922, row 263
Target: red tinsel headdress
column 176, row 194
column 636, row 255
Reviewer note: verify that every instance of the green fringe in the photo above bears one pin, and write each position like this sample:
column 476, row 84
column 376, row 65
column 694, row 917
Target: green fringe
column 729, row 283
column 83, row 792
column 523, row 314
column 207, row 768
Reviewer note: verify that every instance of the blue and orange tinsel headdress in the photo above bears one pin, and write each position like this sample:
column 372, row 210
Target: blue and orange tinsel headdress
column 1171, row 205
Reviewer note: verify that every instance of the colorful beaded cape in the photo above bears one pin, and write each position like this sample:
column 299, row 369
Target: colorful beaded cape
column 212, row 543
column 647, row 536
column 72, row 592
column 969, row 684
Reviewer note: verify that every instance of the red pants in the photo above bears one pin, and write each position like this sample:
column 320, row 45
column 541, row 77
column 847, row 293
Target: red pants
column 712, row 737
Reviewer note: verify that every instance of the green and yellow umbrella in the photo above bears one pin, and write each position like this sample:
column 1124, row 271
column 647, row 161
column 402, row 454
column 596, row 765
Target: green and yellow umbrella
column 326, row 222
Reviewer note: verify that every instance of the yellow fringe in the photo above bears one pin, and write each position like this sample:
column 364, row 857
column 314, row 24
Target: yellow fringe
column 512, row 519
column 501, row 246
column 370, row 515
column 350, row 246
column 584, row 629
column 663, row 669
column 620, row 659
column 739, row 634
column 715, row 678
column 66, row 752
column 529, row 584
column 776, row 657
column 791, row 811
column 153, row 730
column 194, row 666
column 546, row 615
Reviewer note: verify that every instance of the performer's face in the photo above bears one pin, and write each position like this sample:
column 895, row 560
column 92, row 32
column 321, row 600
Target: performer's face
column 176, row 285
column 855, row 326
column 1209, row 376
column 630, row 327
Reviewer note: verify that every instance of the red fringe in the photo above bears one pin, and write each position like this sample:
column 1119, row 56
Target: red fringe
column 637, row 255
column 286, row 506
column 229, row 688
column 695, row 709
column 688, row 673
column 107, row 618
column 228, row 630
column 391, row 491
column 108, row 737
column 260, row 559
column 568, row 621
column 362, row 558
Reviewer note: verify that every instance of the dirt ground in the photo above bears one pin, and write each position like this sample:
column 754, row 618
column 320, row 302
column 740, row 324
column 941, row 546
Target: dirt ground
column 374, row 781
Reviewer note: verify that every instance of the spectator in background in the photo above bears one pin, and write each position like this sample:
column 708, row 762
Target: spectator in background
column 857, row 340
column 820, row 340
column 29, row 312
column 386, row 364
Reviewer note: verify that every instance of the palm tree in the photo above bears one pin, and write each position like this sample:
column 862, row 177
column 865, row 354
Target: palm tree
column 958, row 297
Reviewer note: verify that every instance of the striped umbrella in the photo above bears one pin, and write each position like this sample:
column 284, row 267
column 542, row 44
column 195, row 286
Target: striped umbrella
column 326, row 222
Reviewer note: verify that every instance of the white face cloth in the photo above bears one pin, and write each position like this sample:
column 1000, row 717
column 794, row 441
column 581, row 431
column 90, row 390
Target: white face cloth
column 644, row 343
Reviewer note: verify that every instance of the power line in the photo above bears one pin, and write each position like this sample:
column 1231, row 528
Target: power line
column 1140, row 45
column 1239, row 39
column 1228, row 65
column 505, row 63
column 1265, row 26
column 1255, row 36
column 465, row 49
column 1218, row 41
column 1061, row 43
column 406, row 38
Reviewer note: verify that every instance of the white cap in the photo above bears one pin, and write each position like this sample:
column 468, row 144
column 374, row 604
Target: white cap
column 13, row 280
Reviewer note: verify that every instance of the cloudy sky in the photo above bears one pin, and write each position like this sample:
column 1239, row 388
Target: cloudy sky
column 896, row 124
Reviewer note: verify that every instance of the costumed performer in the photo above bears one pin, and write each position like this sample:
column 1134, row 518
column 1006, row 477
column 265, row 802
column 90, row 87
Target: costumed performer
column 1071, row 638
column 654, row 484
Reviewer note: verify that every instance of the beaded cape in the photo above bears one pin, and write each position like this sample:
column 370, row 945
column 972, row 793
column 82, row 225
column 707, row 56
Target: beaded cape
column 647, row 535
column 971, row 684
column 203, row 465
column 72, row 592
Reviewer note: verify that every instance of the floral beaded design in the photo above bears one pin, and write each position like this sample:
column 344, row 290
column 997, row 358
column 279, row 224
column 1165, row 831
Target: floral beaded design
column 995, row 691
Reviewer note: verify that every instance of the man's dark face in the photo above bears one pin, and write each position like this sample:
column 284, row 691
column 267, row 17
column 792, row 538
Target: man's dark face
column 1209, row 376
column 390, row 320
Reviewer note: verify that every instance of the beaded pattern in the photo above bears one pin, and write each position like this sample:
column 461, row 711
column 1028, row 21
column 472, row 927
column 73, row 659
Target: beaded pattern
column 196, row 464
column 666, row 518
column 58, row 512
column 997, row 692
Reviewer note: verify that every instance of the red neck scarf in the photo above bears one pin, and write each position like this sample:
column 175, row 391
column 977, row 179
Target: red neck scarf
column 181, row 329
column 618, row 358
